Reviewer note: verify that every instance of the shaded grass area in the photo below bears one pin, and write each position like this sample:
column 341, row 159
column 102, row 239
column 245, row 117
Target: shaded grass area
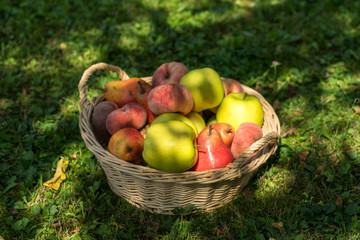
column 303, row 56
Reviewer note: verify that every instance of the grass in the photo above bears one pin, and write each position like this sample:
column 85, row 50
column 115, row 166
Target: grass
column 303, row 56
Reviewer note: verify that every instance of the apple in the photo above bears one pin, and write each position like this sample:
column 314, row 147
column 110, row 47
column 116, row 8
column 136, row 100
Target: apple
column 205, row 86
column 127, row 144
column 197, row 119
column 237, row 108
column 130, row 115
column 167, row 73
column 226, row 131
column 175, row 116
column 170, row 98
column 170, row 146
column 98, row 120
column 212, row 151
column 245, row 136
column 231, row 85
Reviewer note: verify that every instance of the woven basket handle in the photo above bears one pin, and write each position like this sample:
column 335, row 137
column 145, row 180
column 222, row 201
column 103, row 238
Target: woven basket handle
column 265, row 146
column 88, row 72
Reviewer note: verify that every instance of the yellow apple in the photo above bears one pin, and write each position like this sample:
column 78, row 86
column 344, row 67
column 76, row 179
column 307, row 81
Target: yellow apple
column 237, row 108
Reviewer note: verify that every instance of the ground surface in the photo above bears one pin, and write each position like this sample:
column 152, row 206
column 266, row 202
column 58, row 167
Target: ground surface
column 303, row 56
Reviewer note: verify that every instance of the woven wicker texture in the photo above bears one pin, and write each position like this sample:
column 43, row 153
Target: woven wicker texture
column 161, row 192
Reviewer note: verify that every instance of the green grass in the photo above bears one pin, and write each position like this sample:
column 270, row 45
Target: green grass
column 308, row 190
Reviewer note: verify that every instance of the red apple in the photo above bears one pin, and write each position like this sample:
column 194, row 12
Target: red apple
column 231, row 85
column 127, row 144
column 245, row 136
column 226, row 131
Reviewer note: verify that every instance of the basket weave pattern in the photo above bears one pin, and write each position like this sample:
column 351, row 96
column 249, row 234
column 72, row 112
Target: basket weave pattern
column 161, row 192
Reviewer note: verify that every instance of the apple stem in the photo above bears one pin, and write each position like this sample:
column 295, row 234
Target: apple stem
column 244, row 96
column 229, row 130
column 210, row 129
column 142, row 90
column 100, row 88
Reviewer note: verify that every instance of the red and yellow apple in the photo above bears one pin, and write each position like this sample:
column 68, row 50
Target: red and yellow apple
column 231, row 85
column 127, row 144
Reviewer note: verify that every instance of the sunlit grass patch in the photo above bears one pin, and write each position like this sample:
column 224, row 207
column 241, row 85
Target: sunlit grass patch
column 80, row 57
column 276, row 183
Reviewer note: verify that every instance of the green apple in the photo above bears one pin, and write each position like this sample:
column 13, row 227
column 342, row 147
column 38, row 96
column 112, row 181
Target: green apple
column 197, row 119
column 205, row 86
column 175, row 116
column 170, row 146
column 237, row 108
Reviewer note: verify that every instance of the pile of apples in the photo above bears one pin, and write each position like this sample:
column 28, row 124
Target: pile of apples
column 184, row 121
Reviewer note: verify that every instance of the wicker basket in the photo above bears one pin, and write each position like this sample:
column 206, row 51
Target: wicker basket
column 161, row 192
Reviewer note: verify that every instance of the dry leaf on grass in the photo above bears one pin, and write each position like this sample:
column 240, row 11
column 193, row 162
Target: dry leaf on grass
column 302, row 157
column 339, row 201
column 74, row 156
column 257, row 86
column 289, row 132
column 278, row 225
column 218, row 232
column 55, row 225
column 59, row 176
column 76, row 230
column 63, row 46
column 276, row 105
